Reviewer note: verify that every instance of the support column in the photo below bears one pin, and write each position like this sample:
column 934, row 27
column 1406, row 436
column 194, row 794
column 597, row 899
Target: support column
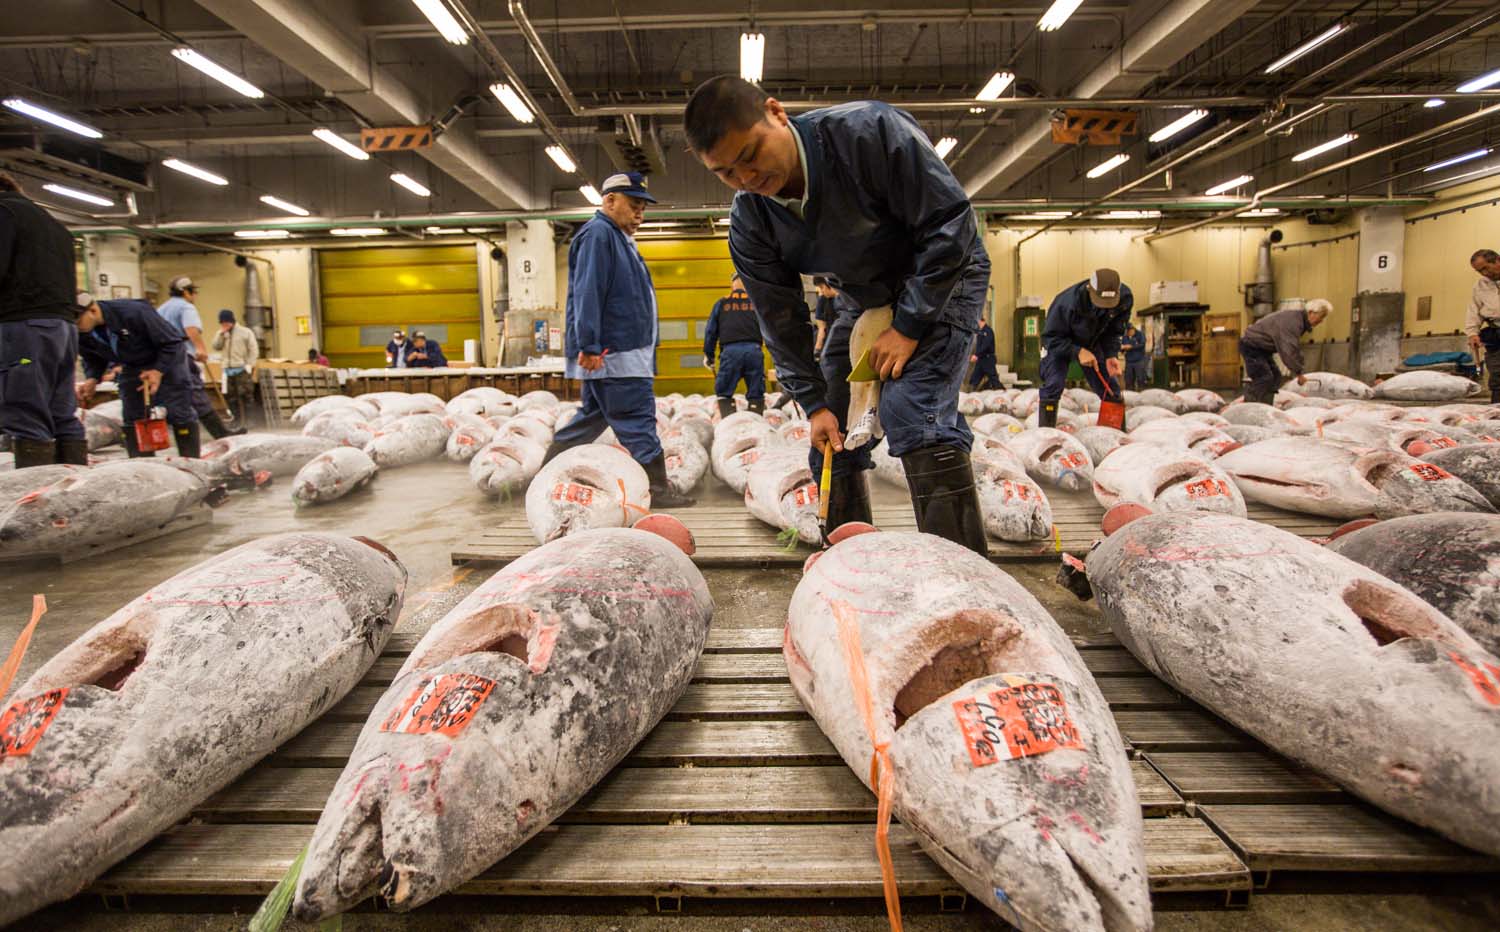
column 112, row 266
column 1380, row 302
column 534, row 314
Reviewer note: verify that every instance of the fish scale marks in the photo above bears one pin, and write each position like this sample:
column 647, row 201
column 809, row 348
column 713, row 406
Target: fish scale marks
column 1050, row 839
column 177, row 694
column 1271, row 632
column 611, row 624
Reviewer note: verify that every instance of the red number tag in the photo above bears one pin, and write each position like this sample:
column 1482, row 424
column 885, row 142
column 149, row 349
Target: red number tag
column 572, row 492
column 445, row 704
column 1428, row 472
column 749, row 456
column 1484, row 676
column 1207, row 488
column 24, row 722
column 1072, row 460
column 1013, row 491
column 806, row 494
column 1442, row 443
column 1021, row 720
column 674, row 461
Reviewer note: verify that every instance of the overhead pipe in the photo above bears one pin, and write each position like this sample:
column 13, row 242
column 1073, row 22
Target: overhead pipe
column 1256, row 201
column 549, row 67
column 1363, row 47
column 1263, row 291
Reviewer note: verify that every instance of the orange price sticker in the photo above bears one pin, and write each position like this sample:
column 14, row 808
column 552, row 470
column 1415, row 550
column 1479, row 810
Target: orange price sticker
column 1022, row 720
column 24, row 722
column 445, row 704
column 572, row 492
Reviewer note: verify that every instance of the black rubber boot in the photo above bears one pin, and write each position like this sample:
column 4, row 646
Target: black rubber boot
column 759, row 407
column 662, row 493
column 33, row 452
column 849, row 500
column 130, row 445
column 556, row 448
column 1495, row 397
column 73, row 452
column 726, row 407
column 943, row 496
column 189, row 444
column 1046, row 414
column 217, row 428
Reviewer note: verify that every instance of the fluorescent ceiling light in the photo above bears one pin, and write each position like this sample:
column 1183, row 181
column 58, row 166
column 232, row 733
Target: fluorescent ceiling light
column 357, row 231
column 1262, row 212
column 1130, row 214
column 1434, row 102
column 443, row 21
column 1457, row 159
column 1114, row 161
column 945, row 145
column 1487, row 170
column 411, row 184
column 1178, row 125
column 1057, row 14
column 559, row 157
column 591, row 194
column 752, row 56
column 1306, row 47
column 994, row 87
column 223, row 75
column 722, row 221
column 512, row 102
column 432, row 229
column 263, row 234
column 1229, row 185
column 78, row 195
column 1043, row 215
column 1320, row 149
column 1478, row 84
column 195, row 171
column 979, row 110
column 47, row 116
column 287, row 206
column 341, row 144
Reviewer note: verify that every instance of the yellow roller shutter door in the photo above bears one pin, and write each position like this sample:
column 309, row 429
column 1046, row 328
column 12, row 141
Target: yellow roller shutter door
column 366, row 293
column 690, row 275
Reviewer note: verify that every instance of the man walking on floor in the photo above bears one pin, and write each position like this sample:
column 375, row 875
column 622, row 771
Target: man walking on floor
column 986, row 376
column 1278, row 334
column 180, row 311
column 1482, row 322
column 734, row 331
column 238, row 351
column 857, row 193
column 1086, row 323
column 612, row 335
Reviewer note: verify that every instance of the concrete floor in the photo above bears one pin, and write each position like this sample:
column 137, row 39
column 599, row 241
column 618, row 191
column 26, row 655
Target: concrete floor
column 419, row 512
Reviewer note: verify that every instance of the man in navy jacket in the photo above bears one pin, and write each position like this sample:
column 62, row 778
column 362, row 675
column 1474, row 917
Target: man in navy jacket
column 986, row 376
column 425, row 353
column 733, row 334
column 857, row 193
column 152, row 354
column 612, row 334
column 1085, row 323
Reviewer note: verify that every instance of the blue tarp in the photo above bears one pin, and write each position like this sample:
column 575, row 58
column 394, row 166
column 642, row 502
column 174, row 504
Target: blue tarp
column 1438, row 359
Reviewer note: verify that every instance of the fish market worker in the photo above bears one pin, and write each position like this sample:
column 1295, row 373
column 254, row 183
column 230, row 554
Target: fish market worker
column 858, row 194
column 1482, row 322
column 1134, row 348
column 152, row 354
column 396, row 350
column 38, row 348
column 1084, row 323
column 734, row 330
column 1278, row 334
column 425, row 353
column 182, row 313
column 612, row 335
column 986, row 376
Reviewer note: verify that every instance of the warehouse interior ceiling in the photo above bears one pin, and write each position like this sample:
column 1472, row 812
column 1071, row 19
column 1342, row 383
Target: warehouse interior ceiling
column 603, row 83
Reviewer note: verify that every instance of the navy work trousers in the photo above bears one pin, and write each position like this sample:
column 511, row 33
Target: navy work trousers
column 626, row 406
column 1260, row 367
column 918, row 410
column 1054, row 372
column 1137, row 374
column 986, row 376
column 37, row 361
column 741, row 362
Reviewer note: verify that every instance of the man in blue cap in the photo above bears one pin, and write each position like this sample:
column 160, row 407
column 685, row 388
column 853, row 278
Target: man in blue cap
column 612, row 333
column 858, row 193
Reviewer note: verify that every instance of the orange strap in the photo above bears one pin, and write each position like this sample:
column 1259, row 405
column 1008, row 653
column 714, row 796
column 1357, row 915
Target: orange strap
column 13, row 662
column 626, row 506
column 882, row 777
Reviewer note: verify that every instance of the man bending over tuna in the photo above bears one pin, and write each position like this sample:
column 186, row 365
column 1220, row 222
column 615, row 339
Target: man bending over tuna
column 857, row 193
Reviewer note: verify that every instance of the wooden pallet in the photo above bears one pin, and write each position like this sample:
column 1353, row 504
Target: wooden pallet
column 197, row 517
column 736, row 798
column 729, row 536
column 283, row 391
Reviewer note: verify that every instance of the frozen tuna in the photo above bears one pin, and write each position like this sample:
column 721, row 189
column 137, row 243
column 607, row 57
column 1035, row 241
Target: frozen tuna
column 697, row 426
column 468, row 434
column 1054, row 457
column 686, row 461
column 1330, row 385
column 1327, row 662
column 1165, row 478
column 484, row 401
column 1199, row 399
column 332, row 475
column 1210, row 418
column 360, row 407
column 997, row 425
column 1477, row 464
column 1255, row 414
column 589, row 486
column 1245, row 434
column 531, row 401
column 1004, row 758
column 1099, row 441
column 738, row 442
column 101, row 503
column 506, row 465
column 1145, row 414
column 511, row 708
column 1161, row 398
column 1426, row 386
column 412, row 438
column 1451, row 561
column 345, row 427
column 781, row 492
column 1205, row 440
column 253, row 454
column 154, row 709
column 1014, row 508
column 101, row 430
column 1341, row 480
column 1395, row 435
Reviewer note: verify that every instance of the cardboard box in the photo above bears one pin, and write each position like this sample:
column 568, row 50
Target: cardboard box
column 1174, row 293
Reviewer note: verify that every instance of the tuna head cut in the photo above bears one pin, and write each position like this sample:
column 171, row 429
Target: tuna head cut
column 1324, row 660
column 1341, row 480
column 411, row 438
column 165, row 702
column 1477, row 464
column 468, row 435
column 1053, row 457
column 1006, row 761
column 506, row 465
column 1013, row 507
column 1330, row 385
column 589, row 486
column 332, row 475
column 1450, row 560
column 1164, row 478
column 686, row 460
column 511, row 708
column 997, row 424
column 1426, row 386
column 101, row 503
column 782, row 493
column 739, row 441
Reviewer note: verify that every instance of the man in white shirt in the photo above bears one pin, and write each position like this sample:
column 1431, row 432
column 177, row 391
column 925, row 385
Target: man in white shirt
column 1482, row 323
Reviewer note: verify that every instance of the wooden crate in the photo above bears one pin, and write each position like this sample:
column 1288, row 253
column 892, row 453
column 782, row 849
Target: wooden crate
column 283, row 391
